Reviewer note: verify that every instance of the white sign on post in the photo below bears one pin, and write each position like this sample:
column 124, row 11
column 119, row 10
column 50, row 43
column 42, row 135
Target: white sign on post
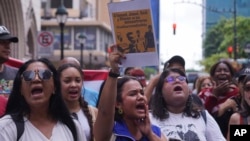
column 45, row 41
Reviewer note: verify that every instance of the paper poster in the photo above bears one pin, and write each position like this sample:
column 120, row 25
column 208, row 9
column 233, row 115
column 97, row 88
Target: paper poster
column 133, row 31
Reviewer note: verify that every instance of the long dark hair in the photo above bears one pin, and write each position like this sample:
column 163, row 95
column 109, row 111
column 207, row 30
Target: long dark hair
column 120, row 83
column 57, row 109
column 245, row 107
column 158, row 105
column 83, row 103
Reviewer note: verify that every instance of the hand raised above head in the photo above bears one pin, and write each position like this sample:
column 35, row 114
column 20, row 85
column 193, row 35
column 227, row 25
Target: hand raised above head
column 115, row 58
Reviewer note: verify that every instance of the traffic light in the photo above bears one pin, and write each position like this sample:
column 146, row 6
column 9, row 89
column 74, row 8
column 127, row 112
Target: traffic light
column 230, row 51
column 174, row 28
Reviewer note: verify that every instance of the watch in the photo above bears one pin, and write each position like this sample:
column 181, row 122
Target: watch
column 113, row 74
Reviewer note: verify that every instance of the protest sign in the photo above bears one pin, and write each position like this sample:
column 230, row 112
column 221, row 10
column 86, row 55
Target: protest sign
column 133, row 32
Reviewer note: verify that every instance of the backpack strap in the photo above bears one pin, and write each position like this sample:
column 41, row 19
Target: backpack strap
column 204, row 116
column 19, row 122
column 113, row 137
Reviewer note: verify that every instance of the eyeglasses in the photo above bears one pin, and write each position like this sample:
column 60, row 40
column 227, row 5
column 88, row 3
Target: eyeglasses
column 172, row 79
column 43, row 74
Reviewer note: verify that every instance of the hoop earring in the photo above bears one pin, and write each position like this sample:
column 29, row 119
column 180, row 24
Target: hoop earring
column 120, row 111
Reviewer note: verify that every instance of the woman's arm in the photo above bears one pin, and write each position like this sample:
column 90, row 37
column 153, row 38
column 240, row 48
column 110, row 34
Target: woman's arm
column 228, row 104
column 150, row 87
column 234, row 120
column 106, row 109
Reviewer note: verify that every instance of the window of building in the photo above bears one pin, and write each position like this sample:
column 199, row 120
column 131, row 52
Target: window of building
column 57, row 3
column 43, row 4
column 87, row 11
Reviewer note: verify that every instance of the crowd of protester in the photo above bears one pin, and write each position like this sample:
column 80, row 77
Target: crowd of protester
column 42, row 102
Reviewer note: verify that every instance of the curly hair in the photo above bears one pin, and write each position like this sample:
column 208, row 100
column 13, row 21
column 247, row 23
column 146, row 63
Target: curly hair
column 158, row 105
column 83, row 103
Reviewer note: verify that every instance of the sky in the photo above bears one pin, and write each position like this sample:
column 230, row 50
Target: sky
column 187, row 42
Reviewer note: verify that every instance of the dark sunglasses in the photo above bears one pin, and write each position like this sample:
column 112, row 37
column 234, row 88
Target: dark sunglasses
column 172, row 79
column 43, row 74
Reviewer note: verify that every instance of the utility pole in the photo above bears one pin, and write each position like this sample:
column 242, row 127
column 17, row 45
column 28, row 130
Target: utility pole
column 235, row 31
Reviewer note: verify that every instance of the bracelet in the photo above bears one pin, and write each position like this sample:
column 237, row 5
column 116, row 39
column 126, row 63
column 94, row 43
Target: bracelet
column 113, row 74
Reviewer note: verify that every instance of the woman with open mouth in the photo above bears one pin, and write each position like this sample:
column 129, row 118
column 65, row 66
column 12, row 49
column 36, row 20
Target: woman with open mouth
column 222, row 100
column 35, row 110
column 123, row 111
column 175, row 112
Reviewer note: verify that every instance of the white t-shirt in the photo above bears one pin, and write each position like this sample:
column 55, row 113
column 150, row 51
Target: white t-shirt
column 84, row 123
column 8, row 132
column 181, row 127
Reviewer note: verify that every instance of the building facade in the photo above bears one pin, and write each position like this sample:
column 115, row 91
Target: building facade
column 22, row 18
column 89, row 17
column 26, row 18
column 218, row 9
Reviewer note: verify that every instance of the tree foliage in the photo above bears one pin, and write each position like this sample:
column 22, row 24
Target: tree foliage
column 210, row 61
column 221, row 36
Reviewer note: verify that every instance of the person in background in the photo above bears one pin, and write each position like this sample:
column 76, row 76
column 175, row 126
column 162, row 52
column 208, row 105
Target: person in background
column 128, row 70
column 204, row 82
column 123, row 110
column 71, row 80
column 89, row 95
column 220, row 100
column 36, row 101
column 242, row 75
column 174, row 62
column 241, row 117
column 140, row 75
column 173, row 105
column 7, row 73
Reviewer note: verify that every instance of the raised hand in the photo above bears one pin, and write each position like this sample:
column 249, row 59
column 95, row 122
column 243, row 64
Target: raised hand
column 115, row 58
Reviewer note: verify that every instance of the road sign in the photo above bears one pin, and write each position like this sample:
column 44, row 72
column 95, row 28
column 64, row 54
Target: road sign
column 45, row 41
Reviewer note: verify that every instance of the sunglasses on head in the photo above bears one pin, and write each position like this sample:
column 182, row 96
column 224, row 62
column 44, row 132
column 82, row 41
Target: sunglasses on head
column 172, row 79
column 42, row 74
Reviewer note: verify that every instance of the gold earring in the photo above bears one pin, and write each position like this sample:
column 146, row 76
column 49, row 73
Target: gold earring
column 120, row 111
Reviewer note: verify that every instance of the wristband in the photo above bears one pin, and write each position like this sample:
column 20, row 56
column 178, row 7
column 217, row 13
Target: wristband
column 113, row 74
